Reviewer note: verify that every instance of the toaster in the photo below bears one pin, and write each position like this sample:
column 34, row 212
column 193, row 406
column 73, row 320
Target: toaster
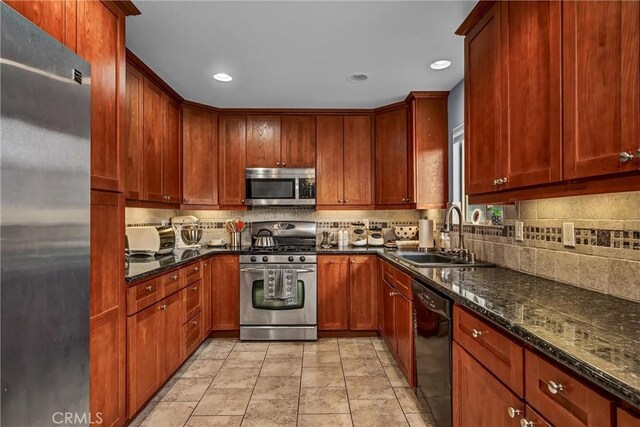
column 150, row 240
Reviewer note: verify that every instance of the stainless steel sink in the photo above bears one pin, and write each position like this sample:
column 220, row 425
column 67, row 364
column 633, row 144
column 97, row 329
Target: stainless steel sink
column 438, row 260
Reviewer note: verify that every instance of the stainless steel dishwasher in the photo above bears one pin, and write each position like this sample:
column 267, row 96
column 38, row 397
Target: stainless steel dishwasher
column 433, row 335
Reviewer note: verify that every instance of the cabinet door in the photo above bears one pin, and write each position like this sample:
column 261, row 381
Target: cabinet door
column 232, row 159
column 200, row 157
column 263, row 141
column 225, row 293
column 329, row 160
column 404, row 335
column 100, row 41
column 144, row 335
column 601, row 66
column 46, row 14
column 381, row 292
column 134, row 146
column 206, row 297
column 298, row 141
column 627, row 419
column 172, row 316
column 363, row 292
column 479, row 400
column 333, row 293
column 389, row 317
column 153, row 137
column 358, row 161
column 392, row 181
column 171, row 152
column 483, row 104
column 532, row 145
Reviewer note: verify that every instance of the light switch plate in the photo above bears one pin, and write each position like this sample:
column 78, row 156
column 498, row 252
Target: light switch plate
column 568, row 235
column 519, row 231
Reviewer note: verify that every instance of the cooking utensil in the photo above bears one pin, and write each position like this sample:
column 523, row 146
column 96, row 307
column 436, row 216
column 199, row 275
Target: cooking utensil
column 264, row 239
column 191, row 234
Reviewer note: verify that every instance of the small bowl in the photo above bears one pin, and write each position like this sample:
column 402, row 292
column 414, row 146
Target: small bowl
column 406, row 232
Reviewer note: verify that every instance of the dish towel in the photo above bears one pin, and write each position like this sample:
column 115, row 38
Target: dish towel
column 287, row 286
column 270, row 283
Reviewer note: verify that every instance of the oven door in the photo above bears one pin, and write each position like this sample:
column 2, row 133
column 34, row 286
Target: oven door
column 256, row 310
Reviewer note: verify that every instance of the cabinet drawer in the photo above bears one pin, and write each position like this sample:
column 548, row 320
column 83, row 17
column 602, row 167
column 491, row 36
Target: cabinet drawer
column 397, row 279
column 172, row 282
column 192, row 299
column 498, row 353
column 561, row 398
column 193, row 333
column 388, row 273
column 193, row 272
column 143, row 295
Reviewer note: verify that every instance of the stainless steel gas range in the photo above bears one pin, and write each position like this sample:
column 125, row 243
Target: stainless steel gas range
column 278, row 283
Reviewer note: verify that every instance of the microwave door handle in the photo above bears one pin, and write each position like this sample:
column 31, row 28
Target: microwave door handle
column 305, row 270
column 297, row 188
column 252, row 270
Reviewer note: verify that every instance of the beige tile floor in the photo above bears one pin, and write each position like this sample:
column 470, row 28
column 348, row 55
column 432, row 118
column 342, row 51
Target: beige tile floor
column 331, row 382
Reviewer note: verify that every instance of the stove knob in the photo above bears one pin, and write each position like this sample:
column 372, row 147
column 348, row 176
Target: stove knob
column 302, row 259
column 253, row 259
column 290, row 259
column 265, row 259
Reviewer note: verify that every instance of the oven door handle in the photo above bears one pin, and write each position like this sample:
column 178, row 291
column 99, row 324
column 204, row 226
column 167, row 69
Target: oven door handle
column 262, row 270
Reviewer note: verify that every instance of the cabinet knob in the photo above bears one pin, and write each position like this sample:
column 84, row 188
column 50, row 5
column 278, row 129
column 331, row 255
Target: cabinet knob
column 513, row 412
column 195, row 322
column 504, row 180
column 339, row 201
column 162, row 307
column 638, row 153
column 624, row 157
column 278, row 164
column 242, row 201
column 186, row 200
column 499, row 181
column 554, row 388
column 284, row 164
column 195, row 288
column 353, row 261
column 345, row 201
column 476, row 333
column 331, row 262
column 196, row 269
column 495, row 182
column 526, row 423
column 174, row 277
column 149, row 288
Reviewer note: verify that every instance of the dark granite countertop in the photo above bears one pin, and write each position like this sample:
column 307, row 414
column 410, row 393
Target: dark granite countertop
column 595, row 335
column 141, row 268
column 350, row 250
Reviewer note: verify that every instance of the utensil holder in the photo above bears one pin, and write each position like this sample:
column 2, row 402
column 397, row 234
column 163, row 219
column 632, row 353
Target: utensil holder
column 235, row 239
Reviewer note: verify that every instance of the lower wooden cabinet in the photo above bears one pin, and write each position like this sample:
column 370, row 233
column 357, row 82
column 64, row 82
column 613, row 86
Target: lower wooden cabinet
column 225, row 293
column 347, row 293
column 206, row 298
column 627, row 419
column 171, row 345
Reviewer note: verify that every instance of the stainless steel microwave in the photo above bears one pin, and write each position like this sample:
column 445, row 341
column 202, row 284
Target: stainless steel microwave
column 280, row 186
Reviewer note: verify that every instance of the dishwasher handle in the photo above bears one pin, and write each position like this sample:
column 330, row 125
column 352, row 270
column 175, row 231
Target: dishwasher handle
column 432, row 300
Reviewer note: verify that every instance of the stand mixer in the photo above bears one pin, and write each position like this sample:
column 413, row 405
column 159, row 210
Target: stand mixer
column 188, row 231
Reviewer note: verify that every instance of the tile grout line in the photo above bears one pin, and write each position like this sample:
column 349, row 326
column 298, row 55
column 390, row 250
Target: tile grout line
column 254, row 384
column 344, row 378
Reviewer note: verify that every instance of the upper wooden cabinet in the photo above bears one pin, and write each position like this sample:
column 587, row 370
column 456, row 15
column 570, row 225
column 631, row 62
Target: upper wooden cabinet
column 171, row 152
column 152, row 141
column 601, row 66
column 280, row 141
column 232, row 160
column 263, row 142
column 200, row 157
column 50, row 16
column 134, row 146
column 394, row 159
column 298, row 148
column 344, row 170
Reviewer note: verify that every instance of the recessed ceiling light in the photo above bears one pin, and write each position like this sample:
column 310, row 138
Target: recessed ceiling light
column 440, row 64
column 357, row 77
column 222, row 77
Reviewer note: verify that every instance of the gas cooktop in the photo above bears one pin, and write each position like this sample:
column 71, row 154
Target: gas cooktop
column 283, row 249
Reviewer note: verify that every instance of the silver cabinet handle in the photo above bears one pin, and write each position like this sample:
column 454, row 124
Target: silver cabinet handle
column 162, row 307
column 476, row 333
column 525, row 423
column 513, row 412
column 149, row 288
column 554, row 388
column 504, row 180
column 495, row 182
column 501, row 181
column 624, row 157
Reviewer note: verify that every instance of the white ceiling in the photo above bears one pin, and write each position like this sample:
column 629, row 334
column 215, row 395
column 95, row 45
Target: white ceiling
column 298, row 54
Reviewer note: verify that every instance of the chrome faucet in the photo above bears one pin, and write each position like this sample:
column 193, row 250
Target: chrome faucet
column 462, row 251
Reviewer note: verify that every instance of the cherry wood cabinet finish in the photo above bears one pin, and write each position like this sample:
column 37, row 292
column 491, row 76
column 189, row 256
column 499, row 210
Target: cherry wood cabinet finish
column 363, row 293
column 100, row 41
column 627, row 419
column 533, row 417
column 172, row 282
column 502, row 356
column 172, row 344
column 134, row 145
column 49, row 15
column 576, row 404
column 392, row 159
column 192, row 334
column 200, row 157
column 429, row 132
column 531, row 86
column 232, row 160
column 389, row 316
column 153, row 136
column 480, row 400
column 206, row 297
column 225, row 293
column 193, row 272
column 298, row 144
column 333, row 293
column 144, row 333
column 381, row 292
column 483, row 103
column 171, row 152
column 329, row 161
column 143, row 295
column 358, row 161
column 601, row 65
column 403, row 311
column 263, row 142
column 191, row 300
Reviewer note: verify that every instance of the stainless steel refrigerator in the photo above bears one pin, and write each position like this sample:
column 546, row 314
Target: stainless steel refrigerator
column 45, row 131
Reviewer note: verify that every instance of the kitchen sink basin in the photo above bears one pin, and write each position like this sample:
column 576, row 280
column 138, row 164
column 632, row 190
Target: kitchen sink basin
column 438, row 260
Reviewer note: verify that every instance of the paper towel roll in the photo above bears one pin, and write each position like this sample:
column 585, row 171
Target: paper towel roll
column 425, row 233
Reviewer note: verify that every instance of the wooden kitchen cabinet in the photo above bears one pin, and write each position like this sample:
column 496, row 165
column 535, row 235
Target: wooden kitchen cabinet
column 232, row 160
column 206, row 297
column 393, row 159
column 344, row 171
column 333, row 293
column 134, row 145
column 171, row 152
column 50, row 16
column 480, row 400
column 403, row 313
column 298, row 148
column 389, row 316
column 153, row 140
column 263, row 142
column 200, row 157
column 363, row 295
column 601, row 70
column 627, row 419
column 172, row 344
column 225, row 293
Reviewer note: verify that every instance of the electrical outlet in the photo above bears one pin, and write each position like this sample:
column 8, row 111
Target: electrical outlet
column 568, row 235
column 519, row 231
